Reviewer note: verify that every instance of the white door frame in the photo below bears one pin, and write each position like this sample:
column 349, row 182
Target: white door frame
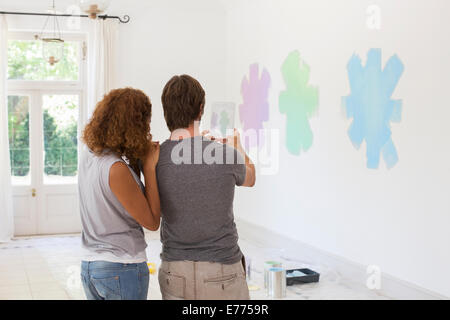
column 32, row 216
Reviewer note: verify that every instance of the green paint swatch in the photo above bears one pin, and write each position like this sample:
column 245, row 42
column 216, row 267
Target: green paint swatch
column 299, row 102
column 224, row 121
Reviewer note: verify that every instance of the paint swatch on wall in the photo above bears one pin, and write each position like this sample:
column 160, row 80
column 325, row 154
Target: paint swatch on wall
column 371, row 107
column 254, row 110
column 222, row 118
column 299, row 102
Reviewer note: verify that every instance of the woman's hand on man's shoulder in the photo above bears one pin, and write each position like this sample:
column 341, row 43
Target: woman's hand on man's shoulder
column 152, row 157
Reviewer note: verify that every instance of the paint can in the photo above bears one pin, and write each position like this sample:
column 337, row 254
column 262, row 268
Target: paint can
column 248, row 267
column 277, row 283
column 267, row 266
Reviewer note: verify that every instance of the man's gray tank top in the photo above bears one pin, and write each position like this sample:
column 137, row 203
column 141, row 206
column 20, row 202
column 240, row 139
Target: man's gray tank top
column 107, row 226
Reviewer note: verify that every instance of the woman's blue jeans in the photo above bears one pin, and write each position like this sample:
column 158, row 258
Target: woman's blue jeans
column 104, row 280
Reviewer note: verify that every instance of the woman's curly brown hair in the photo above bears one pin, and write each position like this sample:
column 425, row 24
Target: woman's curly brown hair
column 121, row 124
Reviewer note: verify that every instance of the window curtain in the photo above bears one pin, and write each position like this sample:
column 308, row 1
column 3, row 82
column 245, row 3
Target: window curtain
column 6, row 207
column 102, row 63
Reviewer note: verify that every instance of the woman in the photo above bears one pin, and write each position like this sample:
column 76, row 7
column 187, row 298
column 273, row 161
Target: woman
column 114, row 203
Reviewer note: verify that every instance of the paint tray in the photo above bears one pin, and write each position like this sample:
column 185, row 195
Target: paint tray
column 308, row 276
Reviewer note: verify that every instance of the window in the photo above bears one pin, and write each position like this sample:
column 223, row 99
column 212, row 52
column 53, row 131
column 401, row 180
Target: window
column 44, row 111
column 19, row 138
column 60, row 119
column 25, row 62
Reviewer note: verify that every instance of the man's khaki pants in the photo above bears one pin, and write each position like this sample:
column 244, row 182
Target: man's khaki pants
column 191, row 280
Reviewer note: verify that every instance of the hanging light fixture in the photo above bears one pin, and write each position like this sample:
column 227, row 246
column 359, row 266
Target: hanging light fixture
column 52, row 44
column 94, row 7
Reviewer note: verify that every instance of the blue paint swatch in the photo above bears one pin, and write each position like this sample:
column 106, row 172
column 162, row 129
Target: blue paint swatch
column 371, row 107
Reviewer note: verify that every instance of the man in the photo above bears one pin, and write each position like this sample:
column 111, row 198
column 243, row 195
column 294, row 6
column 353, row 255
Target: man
column 197, row 176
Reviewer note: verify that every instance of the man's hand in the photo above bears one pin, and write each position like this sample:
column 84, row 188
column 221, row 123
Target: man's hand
column 235, row 141
column 206, row 134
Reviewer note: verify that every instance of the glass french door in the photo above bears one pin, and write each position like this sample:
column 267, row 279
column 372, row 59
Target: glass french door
column 43, row 137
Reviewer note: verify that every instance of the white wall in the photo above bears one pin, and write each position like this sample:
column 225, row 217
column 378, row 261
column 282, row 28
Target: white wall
column 165, row 38
column 397, row 219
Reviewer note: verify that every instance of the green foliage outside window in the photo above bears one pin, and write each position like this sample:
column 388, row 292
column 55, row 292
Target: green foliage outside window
column 25, row 62
column 60, row 145
column 19, row 135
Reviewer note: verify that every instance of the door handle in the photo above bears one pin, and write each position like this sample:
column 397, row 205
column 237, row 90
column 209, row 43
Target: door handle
column 33, row 192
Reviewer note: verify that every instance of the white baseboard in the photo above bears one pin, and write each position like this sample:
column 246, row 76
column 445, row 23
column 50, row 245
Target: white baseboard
column 391, row 286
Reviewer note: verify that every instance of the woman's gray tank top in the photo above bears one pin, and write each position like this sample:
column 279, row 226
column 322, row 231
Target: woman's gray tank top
column 107, row 226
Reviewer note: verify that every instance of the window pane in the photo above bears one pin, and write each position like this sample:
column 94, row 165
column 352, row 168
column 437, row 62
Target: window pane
column 25, row 62
column 60, row 138
column 19, row 138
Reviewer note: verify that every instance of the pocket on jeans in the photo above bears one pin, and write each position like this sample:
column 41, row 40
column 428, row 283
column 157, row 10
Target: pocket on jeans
column 222, row 281
column 107, row 288
column 172, row 284
column 232, row 286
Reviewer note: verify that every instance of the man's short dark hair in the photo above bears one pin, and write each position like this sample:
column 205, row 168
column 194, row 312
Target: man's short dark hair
column 183, row 100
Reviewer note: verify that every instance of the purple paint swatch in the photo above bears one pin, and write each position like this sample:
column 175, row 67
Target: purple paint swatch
column 214, row 120
column 254, row 110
